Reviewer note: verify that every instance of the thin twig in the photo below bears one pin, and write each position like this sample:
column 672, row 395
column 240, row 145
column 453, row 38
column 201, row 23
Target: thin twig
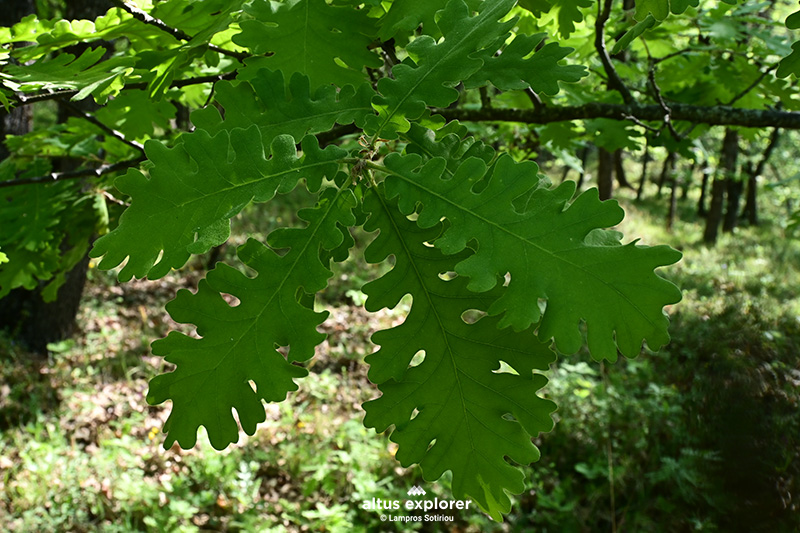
column 74, row 174
column 651, row 76
column 113, row 199
column 614, row 81
column 676, row 54
column 640, row 123
column 22, row 99
column 114, row 133
column 535, row 100
column 179, row 34
column 753, row 85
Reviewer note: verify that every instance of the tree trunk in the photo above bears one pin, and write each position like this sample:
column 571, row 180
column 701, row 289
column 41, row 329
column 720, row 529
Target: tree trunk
column 605, row 173
column 725, row 172
column 35, row 322
column 734, row 189
column 750, row 211
column 18, row 121
column 564, row 174
column 669, row 164
column 673, row 202
column 701, row 203
column 584, row 155
column 619, row 170
column 688, row 178
column 645, row 159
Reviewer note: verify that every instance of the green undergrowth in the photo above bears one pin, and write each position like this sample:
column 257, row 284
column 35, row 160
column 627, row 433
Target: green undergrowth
column 702, row 435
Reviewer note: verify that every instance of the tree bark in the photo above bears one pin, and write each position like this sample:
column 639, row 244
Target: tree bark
column 673, row 202
column 701, row 202
column 605, row 173
column 35, row 322
column 619, row 170
column 735, row 186
column 687, row 181
column 725, row 172
column 750, row 211
column 643, row 179
column 666, row 170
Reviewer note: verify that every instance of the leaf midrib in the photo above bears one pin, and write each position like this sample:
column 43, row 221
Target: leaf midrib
column 487, row 13
column 255, row 320
column 525, row 240
column 399, row 233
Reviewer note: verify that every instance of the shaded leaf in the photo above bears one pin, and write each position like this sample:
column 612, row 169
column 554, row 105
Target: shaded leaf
column 515, row 68
column 84, row 74
column 638, row 29
column 791, row 63
column 451, row 411
column 408, row 15
column 543, row 247
column 569, row 12
column 239, row 344
column 658, row 8
column 194, row 189
column 280, row 108
column 428, row 77
column 308, row 36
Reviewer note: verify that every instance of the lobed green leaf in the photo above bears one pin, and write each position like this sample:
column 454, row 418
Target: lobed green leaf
column 428, row 76
column 543, row 247
column 238, row 344
column 520, row 66
column 455, row 410
column 408, row 15
column 277, row 108
column 632, row 34
column 86, row 74
column 309, row 36
column 196, row 187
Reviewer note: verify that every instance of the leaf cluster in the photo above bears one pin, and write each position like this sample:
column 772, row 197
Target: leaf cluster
column 502, row 268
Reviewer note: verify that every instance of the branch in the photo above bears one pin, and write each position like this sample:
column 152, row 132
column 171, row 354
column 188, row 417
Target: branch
column 753, row 85
column 74, row 174
column 614, row 81
column 534, row 98
column 714, row 116
column 114, row 133
column 21, row 99
column 324, row 139
column 651, row 77
column 687, row 50
column 146, row 18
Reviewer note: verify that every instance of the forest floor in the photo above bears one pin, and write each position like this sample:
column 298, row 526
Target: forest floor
column 694, row 426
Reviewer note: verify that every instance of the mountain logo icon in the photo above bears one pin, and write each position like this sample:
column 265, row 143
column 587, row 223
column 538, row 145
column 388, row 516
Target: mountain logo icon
column 416, row 491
